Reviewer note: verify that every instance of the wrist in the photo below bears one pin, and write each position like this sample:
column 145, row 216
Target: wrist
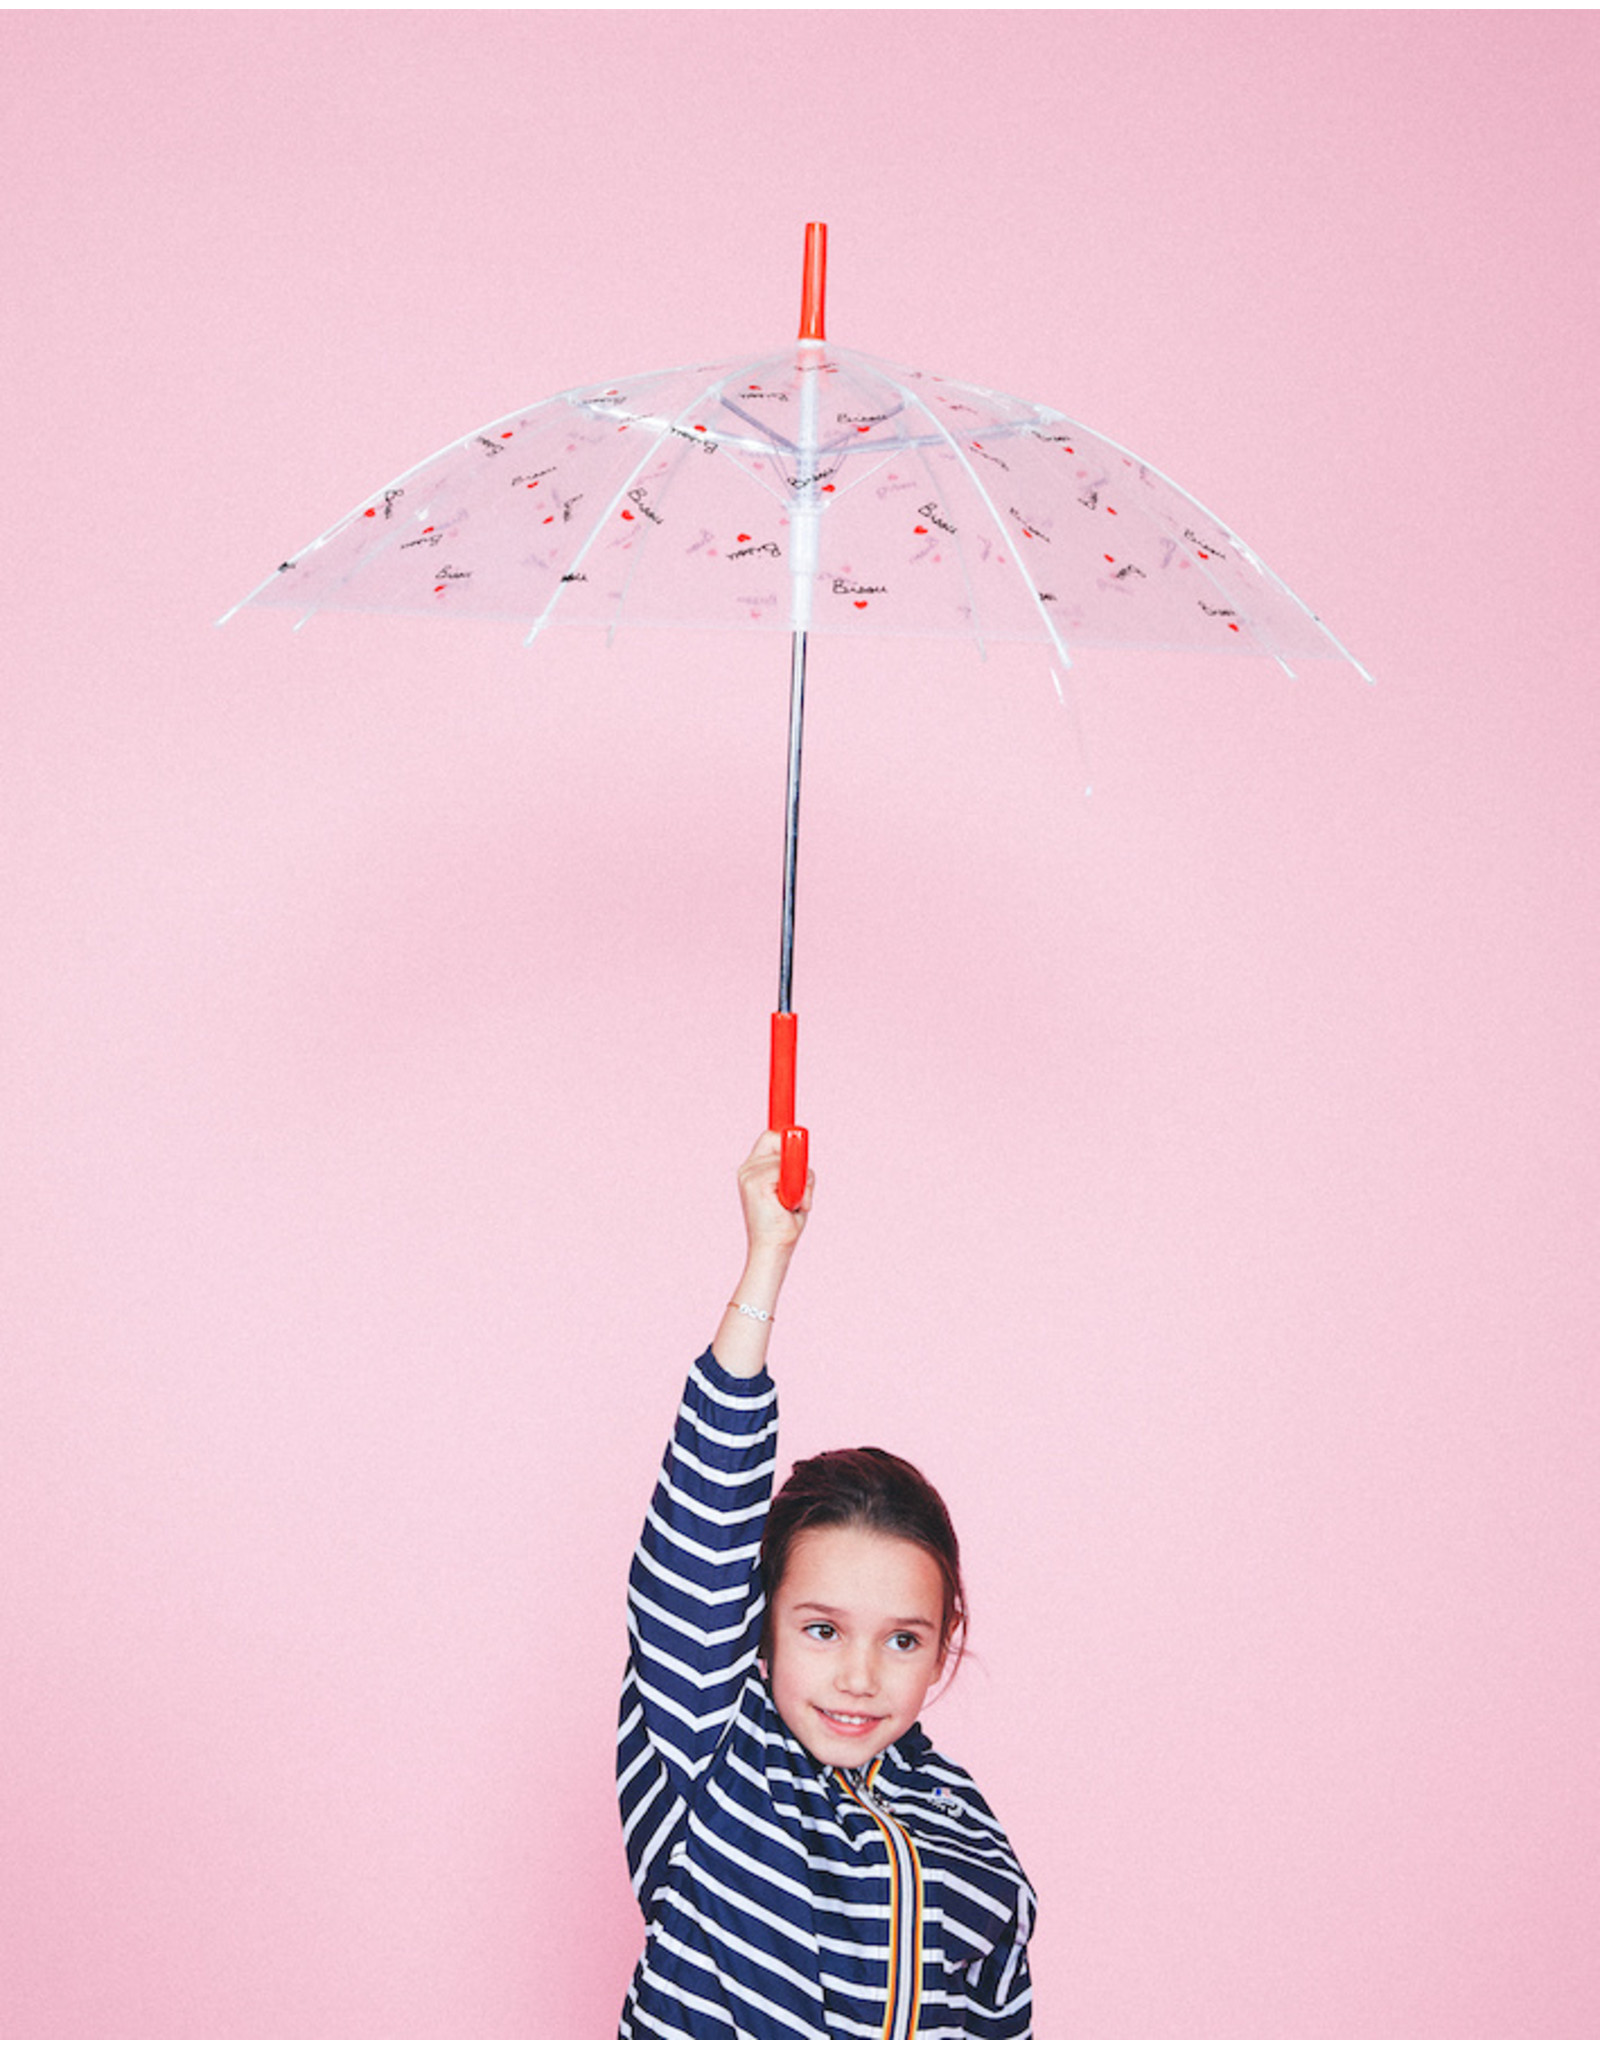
column 761, row 1282
column 766, row 1264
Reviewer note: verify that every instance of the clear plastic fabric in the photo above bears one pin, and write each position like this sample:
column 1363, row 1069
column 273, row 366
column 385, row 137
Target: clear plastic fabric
column 814, row 487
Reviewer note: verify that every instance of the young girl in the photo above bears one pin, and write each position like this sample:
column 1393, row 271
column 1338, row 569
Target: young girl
column 808, row 1865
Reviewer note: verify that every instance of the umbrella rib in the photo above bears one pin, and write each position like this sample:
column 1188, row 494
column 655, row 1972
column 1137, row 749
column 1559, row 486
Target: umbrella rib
column 458, row 444
column 598, row 525
column 840, row 441
column 981, row 488
column 1245, row 551
column 962, row 556
column 664, row 426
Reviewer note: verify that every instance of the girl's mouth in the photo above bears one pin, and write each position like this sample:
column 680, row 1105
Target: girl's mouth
column 849, row 1724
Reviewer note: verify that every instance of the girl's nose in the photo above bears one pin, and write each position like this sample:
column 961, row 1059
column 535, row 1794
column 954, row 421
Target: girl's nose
column 859, row 1674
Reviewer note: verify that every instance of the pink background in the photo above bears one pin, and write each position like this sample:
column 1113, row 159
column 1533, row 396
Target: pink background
column 1208, row 1166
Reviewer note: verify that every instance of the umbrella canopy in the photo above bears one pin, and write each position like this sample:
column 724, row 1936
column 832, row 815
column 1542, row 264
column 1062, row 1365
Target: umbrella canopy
column 810, row 488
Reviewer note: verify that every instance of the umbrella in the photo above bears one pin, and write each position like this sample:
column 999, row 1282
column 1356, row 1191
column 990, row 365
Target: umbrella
column 809, row 490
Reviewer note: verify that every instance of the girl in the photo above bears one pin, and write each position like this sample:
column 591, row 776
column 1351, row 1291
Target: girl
column 808, row 1865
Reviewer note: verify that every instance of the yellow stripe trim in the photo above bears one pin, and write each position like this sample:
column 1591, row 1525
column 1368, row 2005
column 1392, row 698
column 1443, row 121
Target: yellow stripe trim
column 891, row 1830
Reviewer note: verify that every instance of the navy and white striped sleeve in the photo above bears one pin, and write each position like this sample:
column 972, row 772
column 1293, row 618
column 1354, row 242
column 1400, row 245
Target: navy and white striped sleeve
column 1000, row 1989
column 694, row 1604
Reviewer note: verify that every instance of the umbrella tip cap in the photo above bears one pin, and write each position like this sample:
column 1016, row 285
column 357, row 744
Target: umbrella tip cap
column 814, row 282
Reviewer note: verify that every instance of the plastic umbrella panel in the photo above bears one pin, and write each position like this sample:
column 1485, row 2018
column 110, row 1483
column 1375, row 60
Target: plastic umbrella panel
column 815, row 488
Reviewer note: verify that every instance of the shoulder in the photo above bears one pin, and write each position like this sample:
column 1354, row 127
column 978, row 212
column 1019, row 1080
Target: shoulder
column 915, row 1757
column 760, row 1778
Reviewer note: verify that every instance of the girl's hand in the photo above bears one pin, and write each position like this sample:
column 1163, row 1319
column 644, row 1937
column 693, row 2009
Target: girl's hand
column 740, row 1345
column 768, row 1225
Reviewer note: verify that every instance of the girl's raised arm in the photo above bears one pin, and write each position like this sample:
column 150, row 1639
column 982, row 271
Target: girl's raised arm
column 694, row 1590
column 772, row 1232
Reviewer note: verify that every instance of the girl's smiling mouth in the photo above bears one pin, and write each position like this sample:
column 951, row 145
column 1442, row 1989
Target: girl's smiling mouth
column 849, row 1724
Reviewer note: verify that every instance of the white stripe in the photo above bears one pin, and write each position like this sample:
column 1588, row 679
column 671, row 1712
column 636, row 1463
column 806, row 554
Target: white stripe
column 702, row 1510
column 626, row 1777
column 681, row 1997
column 706, row 1638
column 1016, row 2003
column 755, row 1822
column 652, row 1849
column 696, row 1723
column 854, row 1866
column 748, row 1908
column 844, row 2027
column 682, row 1455
column 671, row 1754
column 720, row 1675
column 739, row 1553
column 767, row 1398
column 794, row 1931
column 750, row 1996
column 789, row 1808
column 986, row 1901
column 741, row 1442
column 731, row 1853
column 863, row 1951
column 701, row 1596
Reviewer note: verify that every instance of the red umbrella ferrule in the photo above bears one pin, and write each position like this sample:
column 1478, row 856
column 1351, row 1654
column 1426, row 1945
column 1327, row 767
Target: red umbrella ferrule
column 814, row 281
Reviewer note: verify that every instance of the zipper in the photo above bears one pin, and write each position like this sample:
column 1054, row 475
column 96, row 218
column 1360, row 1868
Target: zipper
column 902, row 2004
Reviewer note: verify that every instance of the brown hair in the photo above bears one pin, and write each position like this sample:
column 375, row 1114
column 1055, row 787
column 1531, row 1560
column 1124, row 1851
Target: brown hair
column 864, row 1489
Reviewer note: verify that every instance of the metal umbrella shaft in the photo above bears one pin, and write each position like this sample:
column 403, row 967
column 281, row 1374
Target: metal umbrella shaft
column 780, row 1094
column 791, row 829
column 803, row 561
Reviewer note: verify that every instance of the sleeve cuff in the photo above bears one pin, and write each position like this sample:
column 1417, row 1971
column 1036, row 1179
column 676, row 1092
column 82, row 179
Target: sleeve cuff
column 731, row 1384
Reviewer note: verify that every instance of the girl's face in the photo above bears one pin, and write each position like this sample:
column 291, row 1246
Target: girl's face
column 856, row 1640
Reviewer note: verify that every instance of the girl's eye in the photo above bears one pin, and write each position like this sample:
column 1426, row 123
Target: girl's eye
column 820, row 1631
column 905, row 1640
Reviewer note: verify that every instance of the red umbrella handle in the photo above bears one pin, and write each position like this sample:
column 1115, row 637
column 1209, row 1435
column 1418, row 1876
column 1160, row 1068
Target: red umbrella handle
column 780, row 1111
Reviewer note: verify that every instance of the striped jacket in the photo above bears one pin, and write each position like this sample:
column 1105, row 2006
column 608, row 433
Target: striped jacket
column 786, row 1899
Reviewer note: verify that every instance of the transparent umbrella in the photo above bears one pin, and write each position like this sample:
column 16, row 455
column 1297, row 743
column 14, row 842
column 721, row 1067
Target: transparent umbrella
column 811, row 490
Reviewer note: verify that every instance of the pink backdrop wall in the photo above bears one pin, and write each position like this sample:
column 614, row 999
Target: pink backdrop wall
column 1208, row 1167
